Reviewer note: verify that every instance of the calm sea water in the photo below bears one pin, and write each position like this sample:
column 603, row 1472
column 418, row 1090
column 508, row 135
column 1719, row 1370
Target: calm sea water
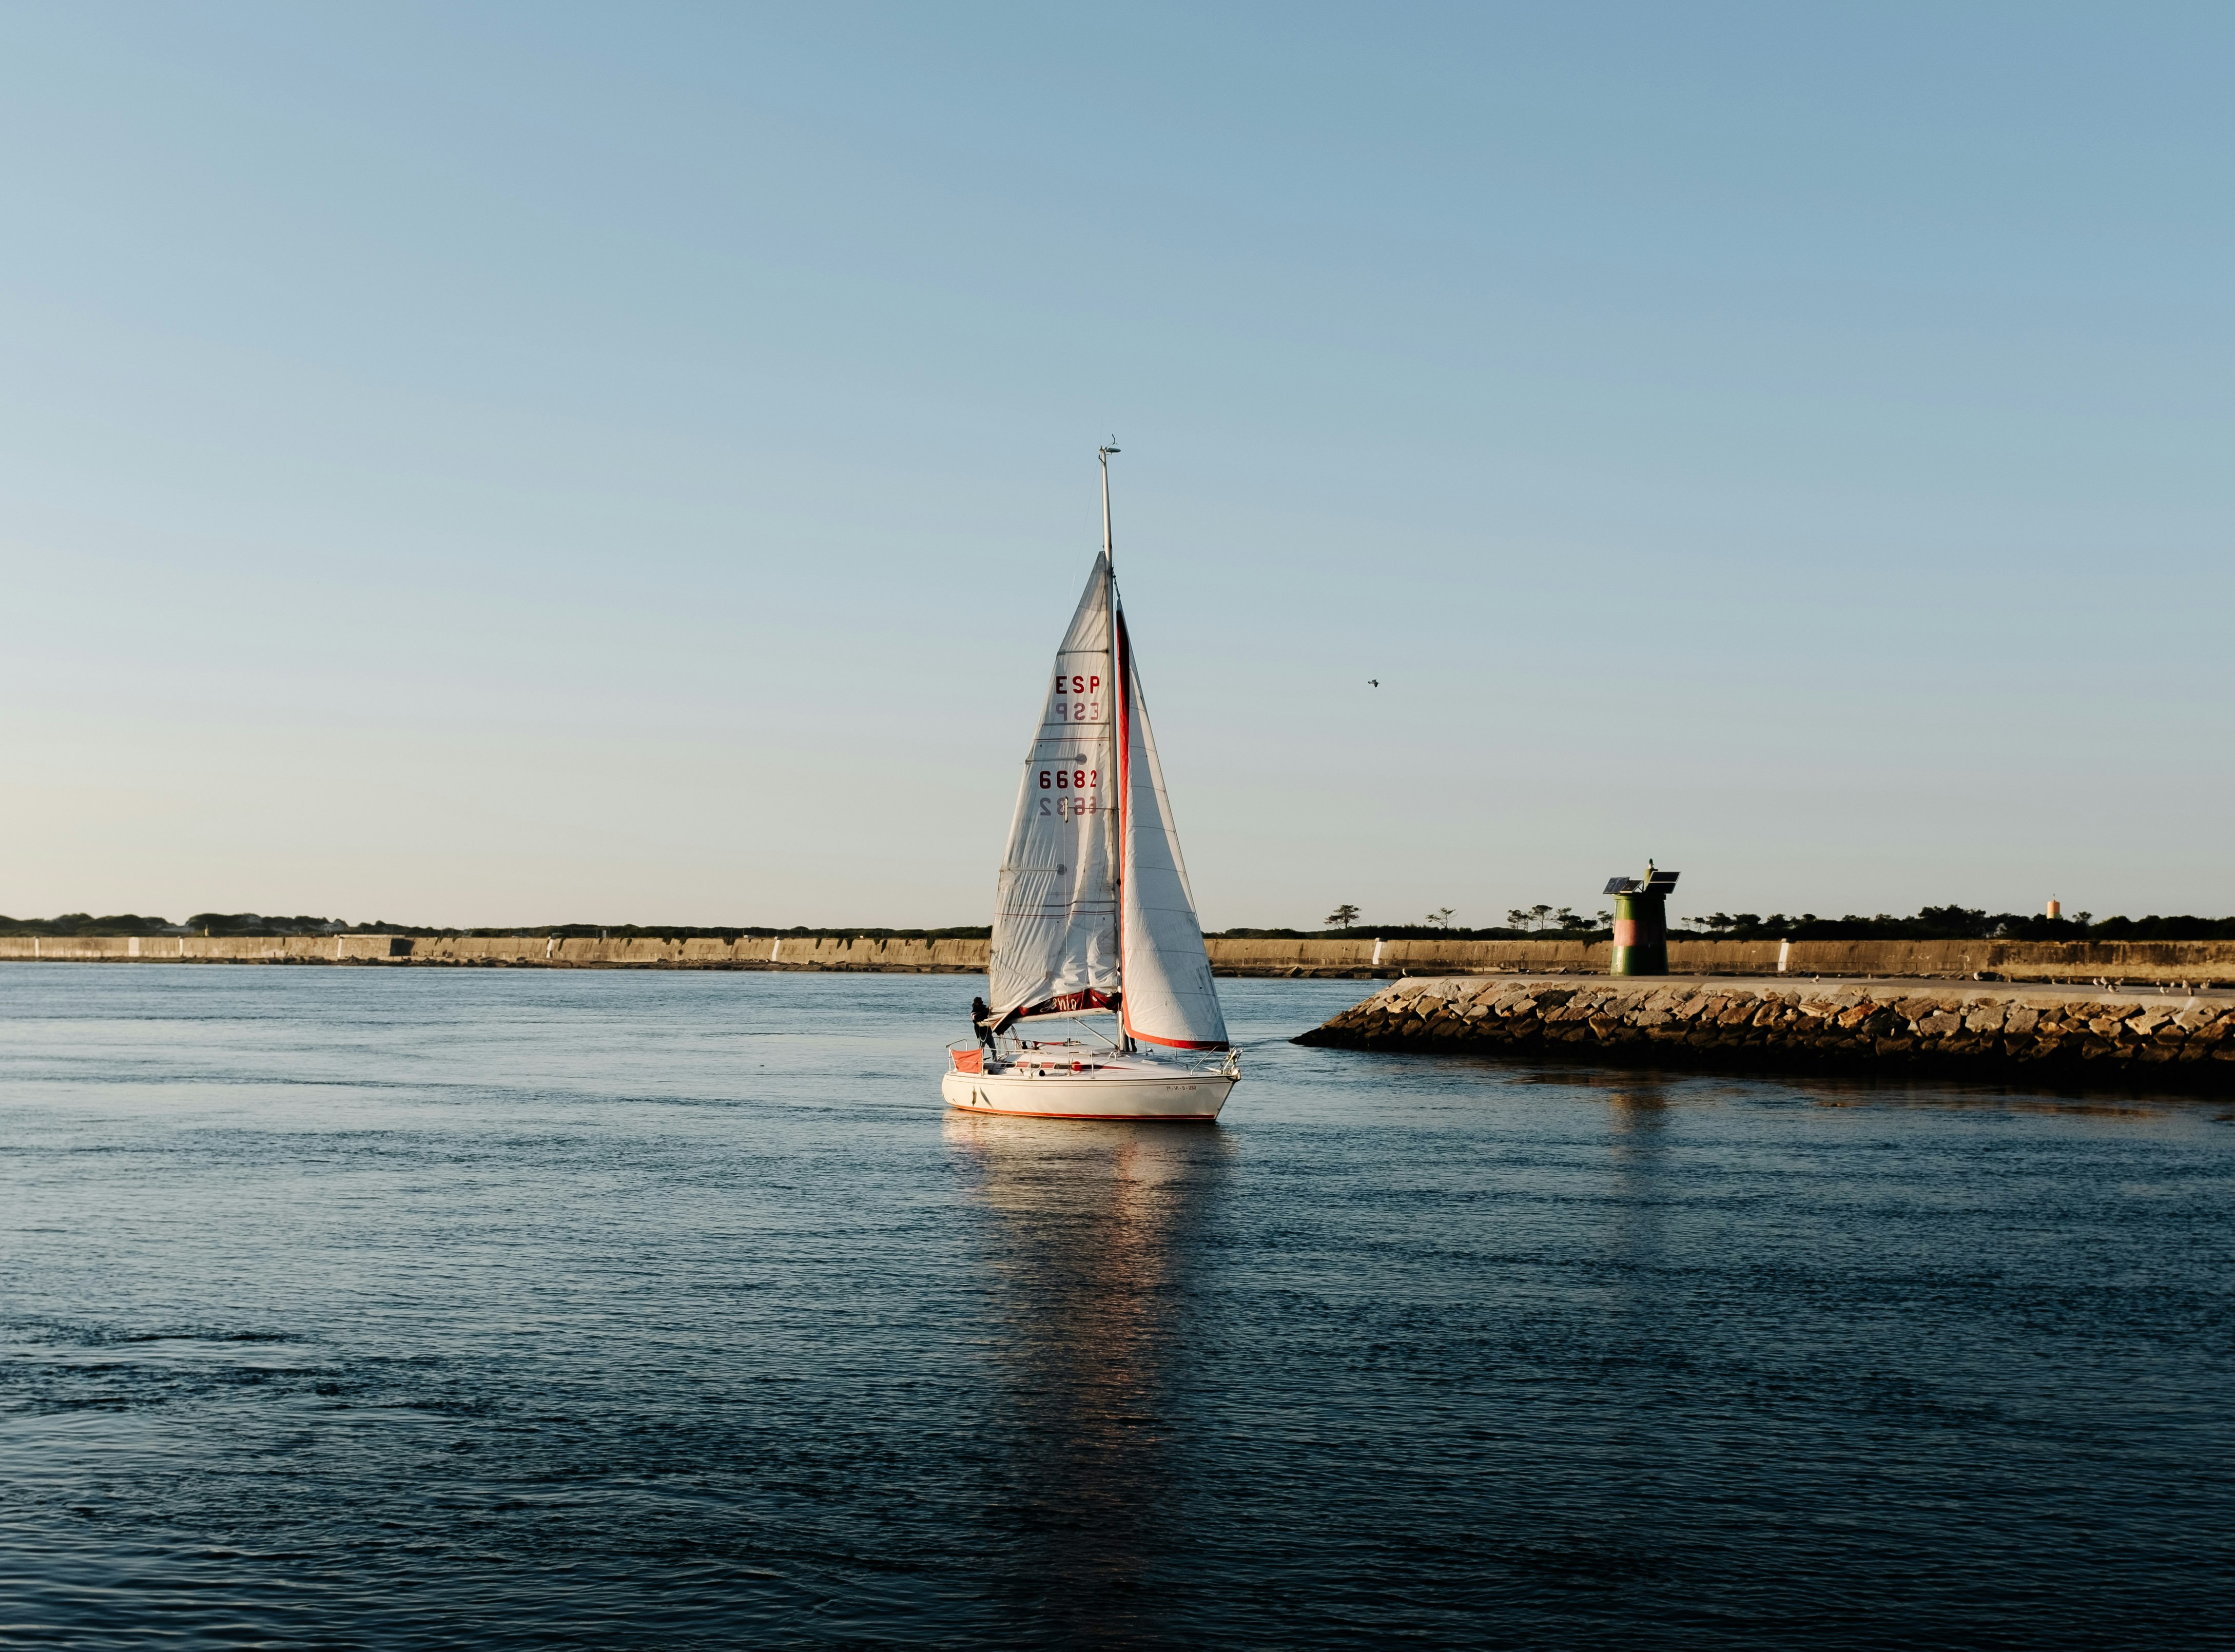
column 408, row 1309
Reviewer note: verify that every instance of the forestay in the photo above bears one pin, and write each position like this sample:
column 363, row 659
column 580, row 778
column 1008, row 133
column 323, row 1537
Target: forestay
column 1055, row 917
column 1169, row 998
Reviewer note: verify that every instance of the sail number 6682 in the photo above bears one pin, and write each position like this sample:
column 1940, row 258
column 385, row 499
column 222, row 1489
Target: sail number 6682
column 1070, row 779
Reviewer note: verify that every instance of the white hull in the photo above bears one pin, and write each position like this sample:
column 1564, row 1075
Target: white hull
column 1129, row 1092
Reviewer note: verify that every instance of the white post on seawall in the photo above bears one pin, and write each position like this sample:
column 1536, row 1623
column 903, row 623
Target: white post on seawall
column 1783, row 955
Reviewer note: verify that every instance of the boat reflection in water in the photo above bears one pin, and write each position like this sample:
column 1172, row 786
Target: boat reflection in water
column 1091, row 1232
column 1639, row 1196
column 1638, row 1111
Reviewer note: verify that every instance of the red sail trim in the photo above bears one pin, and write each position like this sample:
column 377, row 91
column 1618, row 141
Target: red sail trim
column 1063, row 1004
column 1114, row 1119
column 1175, row 1043
column 1120, row 673
column 1066, row 1004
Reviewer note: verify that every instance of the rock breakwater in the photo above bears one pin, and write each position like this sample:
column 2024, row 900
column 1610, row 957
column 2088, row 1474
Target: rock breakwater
column 2046, row 1035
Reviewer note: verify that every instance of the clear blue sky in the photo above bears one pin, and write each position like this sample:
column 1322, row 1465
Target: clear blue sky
column 489, row 465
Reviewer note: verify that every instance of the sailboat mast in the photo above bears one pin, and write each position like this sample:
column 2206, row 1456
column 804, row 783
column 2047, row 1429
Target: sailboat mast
column 1118, row 713
column 1108, row 555
column 1110, row 587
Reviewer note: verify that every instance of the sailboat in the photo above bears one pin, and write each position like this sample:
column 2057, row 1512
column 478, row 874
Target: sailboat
column 1101, row 997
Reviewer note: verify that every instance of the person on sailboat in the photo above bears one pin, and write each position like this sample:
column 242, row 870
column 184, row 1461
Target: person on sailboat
column 981, row 1021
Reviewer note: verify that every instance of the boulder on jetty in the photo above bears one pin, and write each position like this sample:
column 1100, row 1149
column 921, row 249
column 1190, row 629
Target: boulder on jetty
column 2001, row 1031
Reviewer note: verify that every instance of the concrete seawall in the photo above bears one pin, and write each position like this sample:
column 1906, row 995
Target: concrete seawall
column 2004, row 1032
column 2195, row 962
column 511, row 950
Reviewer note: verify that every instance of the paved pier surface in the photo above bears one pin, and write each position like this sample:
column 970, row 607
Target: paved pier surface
column 2041, row 1034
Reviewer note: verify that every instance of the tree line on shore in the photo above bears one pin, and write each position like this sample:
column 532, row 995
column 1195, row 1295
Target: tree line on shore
column 1543, row 922
column 1962, row 924
column 1532, row 923
column 254, row 924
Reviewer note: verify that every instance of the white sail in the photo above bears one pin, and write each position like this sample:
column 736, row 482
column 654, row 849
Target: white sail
column 1169, row 996
column 1055, row 917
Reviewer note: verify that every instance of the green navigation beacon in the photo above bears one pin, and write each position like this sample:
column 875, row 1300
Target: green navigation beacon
column 1640, row 923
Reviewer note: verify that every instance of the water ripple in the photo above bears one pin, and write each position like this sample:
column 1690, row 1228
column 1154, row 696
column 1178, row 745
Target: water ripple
column 408, row 1308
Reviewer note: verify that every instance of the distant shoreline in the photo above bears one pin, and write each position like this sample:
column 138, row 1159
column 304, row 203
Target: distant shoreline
column 2197, row 963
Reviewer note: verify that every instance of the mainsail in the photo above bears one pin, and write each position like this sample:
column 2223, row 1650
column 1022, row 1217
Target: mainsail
column 1169, row 997
column 1055, row 917
column 1094, row 910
